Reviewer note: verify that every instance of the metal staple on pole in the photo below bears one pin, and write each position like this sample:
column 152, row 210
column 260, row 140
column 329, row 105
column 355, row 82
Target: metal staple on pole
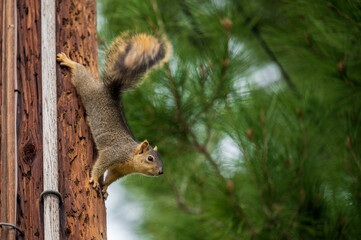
column 13, row 227
column 56, row 193
column 61, row 205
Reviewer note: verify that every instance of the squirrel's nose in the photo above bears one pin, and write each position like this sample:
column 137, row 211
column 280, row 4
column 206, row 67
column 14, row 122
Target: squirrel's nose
column 160, row 171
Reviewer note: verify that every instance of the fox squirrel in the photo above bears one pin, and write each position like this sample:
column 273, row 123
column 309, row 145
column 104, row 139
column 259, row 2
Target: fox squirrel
column 128, row 58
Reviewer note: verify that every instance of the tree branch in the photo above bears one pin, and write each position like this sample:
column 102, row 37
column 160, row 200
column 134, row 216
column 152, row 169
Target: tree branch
column 224, row 69
column 188, row 130
column 267, row 49
column 304, row 151
column 353, row 154
column 342, row 14
column 264, row 159
column 313, row 48
column 181, row 204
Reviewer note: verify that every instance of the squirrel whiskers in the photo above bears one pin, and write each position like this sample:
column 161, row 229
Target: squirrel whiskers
column 128, row 59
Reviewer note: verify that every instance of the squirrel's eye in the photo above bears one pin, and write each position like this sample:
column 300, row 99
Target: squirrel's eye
column 150, row 158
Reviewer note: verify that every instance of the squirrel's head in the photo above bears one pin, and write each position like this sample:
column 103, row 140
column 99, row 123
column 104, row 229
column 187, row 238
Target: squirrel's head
column 147, row 160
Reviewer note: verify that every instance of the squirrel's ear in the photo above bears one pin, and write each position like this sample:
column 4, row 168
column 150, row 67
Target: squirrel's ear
column 156, row 148
column 142, row 147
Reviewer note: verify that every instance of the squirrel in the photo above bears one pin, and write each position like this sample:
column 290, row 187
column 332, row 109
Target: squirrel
column 128, row 58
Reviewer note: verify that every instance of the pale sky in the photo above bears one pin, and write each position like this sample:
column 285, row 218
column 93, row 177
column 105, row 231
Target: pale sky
column 122, row 214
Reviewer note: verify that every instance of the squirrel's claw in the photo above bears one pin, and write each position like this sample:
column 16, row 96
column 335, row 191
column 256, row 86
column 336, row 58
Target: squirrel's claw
column 105, row 194
column 64, row 60
column 95, row 184
column 61, row 57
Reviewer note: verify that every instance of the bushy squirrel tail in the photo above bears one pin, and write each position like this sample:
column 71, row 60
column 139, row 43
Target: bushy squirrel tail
column 129, row 57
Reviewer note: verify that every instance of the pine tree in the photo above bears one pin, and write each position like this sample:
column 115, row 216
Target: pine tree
column 257, row 118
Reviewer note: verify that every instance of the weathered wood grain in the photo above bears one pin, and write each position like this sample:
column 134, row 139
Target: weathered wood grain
column 30, row 166
column 50, row 148
column 77, row 37
column 8, row 183
column 1, row 82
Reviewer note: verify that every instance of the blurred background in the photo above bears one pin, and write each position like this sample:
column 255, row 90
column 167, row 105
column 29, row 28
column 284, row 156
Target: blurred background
column 256, row 116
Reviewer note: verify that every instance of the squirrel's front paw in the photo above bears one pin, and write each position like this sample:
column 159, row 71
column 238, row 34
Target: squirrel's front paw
column 105, row 194
column 95, row 184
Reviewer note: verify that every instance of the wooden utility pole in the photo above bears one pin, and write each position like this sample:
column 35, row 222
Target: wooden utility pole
column 52, row 227
column 76, row 36
column 22, row 124
column 8, row 145
column 29, row 119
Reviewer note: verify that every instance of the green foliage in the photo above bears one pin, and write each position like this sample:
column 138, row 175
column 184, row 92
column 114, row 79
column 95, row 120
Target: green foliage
column 249, row 157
